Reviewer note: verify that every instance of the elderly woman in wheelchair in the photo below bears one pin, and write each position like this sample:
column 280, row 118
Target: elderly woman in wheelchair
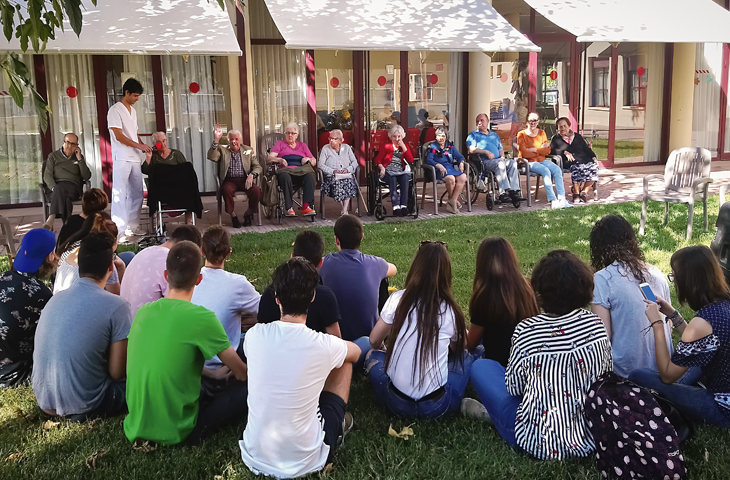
column 393, row 162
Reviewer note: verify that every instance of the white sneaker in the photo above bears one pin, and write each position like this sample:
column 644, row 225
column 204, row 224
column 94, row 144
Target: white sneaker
column 556, row 204
column 566, row 203
column 474, row 409
column 138, row 231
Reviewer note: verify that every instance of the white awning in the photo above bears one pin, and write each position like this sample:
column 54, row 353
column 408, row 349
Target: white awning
column 667, row 21
column 451, row 25
column 152, row 27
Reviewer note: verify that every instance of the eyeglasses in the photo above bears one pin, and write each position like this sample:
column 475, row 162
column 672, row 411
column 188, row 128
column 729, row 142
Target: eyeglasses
column 670, row 277
column 534, row 120
column 427, row 242
column 71, row 143
column 335, row 138
column 292, row 133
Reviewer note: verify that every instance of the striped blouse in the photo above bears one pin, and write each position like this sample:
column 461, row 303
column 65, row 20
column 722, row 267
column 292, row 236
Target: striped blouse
column 553, row 362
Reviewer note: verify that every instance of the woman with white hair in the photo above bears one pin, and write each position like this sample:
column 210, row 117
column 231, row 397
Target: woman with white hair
column 338, row 163
column 392, row 162
column 293, row 157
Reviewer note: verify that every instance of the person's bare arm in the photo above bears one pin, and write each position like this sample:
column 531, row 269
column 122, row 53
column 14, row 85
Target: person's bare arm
column 115, row 288
column 353, row 352
column 392, row 270
column 121, row 138
column 274, row 157
column 474, row 336
column 668, row 371
column 118, row 359
column 334, row 330
column 230, row 359
column 378, row 334
column 219, row 374
column 605, row 315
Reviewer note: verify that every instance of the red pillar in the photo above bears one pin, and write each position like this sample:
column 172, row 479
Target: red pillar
column 613, row 107
column 667, row 101
column 41, row 87
column 574, row 93
column 102, row 108
column 532, row 69
column 243, row 79
column 358, row 125
column 311, row 104
column 404, row 87
column 159, row 93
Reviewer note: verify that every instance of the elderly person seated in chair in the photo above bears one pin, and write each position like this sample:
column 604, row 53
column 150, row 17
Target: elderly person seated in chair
column 64, row 174
column 578, row 156
column 534, row 147
column 161, row 154
column 238, row 169
column 449, row 164
column 338, row 164
column 296, row 164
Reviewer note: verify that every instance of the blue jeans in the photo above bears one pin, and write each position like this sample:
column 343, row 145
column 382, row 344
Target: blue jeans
column 399, row 406
column 126, row 257
column 696, row 402
column 547, row 169
column 364, row 344
column 393, row 182
column 487, row 377
column 505, row 171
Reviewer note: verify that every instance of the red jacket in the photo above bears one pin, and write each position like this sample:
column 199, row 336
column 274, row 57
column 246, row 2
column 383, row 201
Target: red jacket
column 385, row 156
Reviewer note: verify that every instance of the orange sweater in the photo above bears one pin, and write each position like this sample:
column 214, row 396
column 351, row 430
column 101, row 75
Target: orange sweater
column 524, row 141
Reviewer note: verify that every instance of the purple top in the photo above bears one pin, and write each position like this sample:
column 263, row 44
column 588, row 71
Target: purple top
column 300, row 150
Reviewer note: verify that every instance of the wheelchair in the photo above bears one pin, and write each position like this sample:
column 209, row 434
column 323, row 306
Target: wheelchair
column 376, row 188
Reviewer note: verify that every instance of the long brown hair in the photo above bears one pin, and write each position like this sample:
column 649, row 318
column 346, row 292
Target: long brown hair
column 428, row 286
column 698, row 277
column 501, row 294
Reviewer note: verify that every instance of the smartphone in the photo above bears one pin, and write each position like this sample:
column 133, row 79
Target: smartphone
column 647, row 292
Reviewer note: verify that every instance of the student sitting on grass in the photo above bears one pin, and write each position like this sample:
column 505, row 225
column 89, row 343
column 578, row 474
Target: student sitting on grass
column 169, row 341
column 323, row 314
column 299, row 384
column 22, row 298
column 144, row 280
column 80, row 355
column 537, row 403
column 705, row 343
column 501, row 298
column 425, row 368
column 355, row 279
column 228, row 295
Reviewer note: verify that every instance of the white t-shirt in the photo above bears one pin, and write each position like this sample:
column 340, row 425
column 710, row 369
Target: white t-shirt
column 288, row 364
column 400, row 369
column 120, row 117
column 228, row 295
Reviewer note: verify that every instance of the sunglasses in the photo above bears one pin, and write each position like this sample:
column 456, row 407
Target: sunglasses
column 428, row 242
column 670, row 277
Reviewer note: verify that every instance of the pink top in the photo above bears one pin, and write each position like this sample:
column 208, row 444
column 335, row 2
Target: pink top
column 144, row 280
column 281, row 148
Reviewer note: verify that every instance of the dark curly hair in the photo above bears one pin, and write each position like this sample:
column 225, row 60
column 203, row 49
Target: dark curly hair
column 613, row 240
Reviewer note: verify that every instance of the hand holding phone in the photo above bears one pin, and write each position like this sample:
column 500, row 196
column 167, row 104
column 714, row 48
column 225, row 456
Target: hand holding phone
column 647, row 292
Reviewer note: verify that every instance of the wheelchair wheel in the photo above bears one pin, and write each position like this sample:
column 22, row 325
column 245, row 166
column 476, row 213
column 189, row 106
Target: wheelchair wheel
column 379, row 212
column 474, row 175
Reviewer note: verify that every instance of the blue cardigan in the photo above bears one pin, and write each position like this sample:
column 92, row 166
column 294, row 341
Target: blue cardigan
column 435, row 155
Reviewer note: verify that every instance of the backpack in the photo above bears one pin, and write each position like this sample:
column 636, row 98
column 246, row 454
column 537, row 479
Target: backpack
column 633, row 436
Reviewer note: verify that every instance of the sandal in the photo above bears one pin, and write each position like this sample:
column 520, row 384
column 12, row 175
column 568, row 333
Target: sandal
column 583, row 198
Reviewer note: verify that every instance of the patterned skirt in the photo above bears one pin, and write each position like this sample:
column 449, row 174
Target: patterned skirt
column 584, row 172
column 339, row 189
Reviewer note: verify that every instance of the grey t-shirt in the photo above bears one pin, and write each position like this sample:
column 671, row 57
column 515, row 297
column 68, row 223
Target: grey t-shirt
column 617, row 290
column 70, row 372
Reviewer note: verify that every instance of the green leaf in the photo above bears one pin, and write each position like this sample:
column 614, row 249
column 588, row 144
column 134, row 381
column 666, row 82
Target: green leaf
column 35, row 23
column 58, row 11
column 16, row 88
column 222, row 4
column 19, row 68
column 7, row 17
column 73, row 10
column 42, row 109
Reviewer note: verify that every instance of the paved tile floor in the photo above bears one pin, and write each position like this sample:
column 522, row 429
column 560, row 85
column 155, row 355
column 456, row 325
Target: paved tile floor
column 619, row 184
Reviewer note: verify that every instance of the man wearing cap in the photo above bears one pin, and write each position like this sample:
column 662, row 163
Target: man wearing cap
column 64, row 174
column 22, row 297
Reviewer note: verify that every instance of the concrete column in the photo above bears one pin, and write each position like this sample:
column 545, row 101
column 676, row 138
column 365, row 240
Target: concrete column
column 235, row 91
column 480, row 65
column 683, row 75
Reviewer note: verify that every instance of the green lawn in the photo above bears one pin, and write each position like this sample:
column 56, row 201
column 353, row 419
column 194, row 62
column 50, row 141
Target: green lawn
column 624, row 148
column 451, row 448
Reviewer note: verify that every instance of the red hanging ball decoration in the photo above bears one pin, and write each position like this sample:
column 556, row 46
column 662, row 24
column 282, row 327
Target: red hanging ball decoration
column 194, row 87
column 72, row 92
column 434, row 79
column 553, row 75
column 640, row 71
column 381, row 81
column 335, row 82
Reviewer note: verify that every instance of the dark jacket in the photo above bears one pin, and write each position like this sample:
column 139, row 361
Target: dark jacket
column 579, row 148
column 175, row 186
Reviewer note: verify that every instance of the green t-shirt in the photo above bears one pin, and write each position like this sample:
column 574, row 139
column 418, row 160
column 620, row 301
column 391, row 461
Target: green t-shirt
column 168, row 343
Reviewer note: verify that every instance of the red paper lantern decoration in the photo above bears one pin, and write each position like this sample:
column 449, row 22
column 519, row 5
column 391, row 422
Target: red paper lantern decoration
column 504, row 77
column 553, row 75
column 640, row 71
column 434, row 79
column 335, row 82
column 381, row 81
column 72, row 92
column 194, row 87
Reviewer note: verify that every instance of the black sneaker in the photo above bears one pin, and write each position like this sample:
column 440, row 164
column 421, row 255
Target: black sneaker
column 504, row 198
column 247, row 219
column 515, row 197
column 235, row 222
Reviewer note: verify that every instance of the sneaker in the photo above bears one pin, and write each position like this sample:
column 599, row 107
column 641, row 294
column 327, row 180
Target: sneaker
column 516, row 198
column 566, row 203
column 474, row 409
column 308, row 212
column 490, row 202
column 247, row 219
column 235, row 222
column 504, row 198
column 138, row 231
column 347, row 423
column 557, row 204
column 290, row 213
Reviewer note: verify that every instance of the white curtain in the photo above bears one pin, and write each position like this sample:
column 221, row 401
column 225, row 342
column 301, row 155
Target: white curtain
column 20, row 146
column 190, row 117
column 654, row 102
column 74, row 74
column 706, row 110
column 457, row 133
column 280, row 89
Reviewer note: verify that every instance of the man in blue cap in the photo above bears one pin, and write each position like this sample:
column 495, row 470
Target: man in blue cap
column 22, row 297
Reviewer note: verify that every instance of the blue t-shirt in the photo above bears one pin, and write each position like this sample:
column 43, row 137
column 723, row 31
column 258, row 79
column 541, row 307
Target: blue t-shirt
column 485, row 141
column 355, row 280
